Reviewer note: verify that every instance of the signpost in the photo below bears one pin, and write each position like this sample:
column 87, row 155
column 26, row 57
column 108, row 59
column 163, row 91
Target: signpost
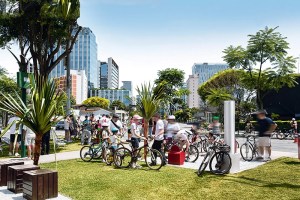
column 23, row 82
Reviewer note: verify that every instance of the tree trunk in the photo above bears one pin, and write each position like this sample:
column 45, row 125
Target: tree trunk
column 146, row 128
column 259, row 102
column 37, row 149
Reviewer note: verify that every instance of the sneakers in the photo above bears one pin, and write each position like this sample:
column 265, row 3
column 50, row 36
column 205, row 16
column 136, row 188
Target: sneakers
column 10, row 154
column 259, row 158
column 17, row 155
column 137, row 166
column 267, row 159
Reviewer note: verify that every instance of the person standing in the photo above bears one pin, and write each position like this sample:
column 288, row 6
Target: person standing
column 294, row 125
column 12, row 132
column 215, row 126
column 158, row 136
column 172, row 128
column 46, row 143
column 265, row 128
column 67, row 128
column 86, row 130
column 115, row 123
column 135, row 137
column 29, row 141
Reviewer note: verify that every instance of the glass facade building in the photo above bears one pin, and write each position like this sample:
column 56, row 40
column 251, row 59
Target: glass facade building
column 82, row 57
column 127, row 85
column 109, row 74
column 112, row 95
column 103, row 75
column 205, row 70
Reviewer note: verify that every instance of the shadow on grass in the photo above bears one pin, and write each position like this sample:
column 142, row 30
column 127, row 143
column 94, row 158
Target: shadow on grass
column 292, row 163
column 261, row 183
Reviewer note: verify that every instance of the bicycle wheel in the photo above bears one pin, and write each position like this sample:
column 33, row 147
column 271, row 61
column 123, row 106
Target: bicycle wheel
column 193, row 153
column 246, row 151
column 220, row 163
column 86, row 153
column 154, row 159
column 203, row 165
column 122, row 157
column 109, row 159
column 204, row 145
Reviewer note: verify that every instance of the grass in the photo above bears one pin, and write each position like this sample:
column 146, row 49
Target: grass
column 278, row 179
column 73, row 146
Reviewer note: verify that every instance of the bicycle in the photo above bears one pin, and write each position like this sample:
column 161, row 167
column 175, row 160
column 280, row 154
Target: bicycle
column 249, row 149
column 87, row 153
column 124, row 157
column 286, row 134
column 218, row 159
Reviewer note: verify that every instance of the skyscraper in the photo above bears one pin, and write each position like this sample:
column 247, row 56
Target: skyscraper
column 193, row 99
column 127, row 85
column 82, row 57
column 205, row 70
column 109, row 74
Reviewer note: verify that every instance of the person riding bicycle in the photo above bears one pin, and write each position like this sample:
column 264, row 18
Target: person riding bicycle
column 172, row 128
column 105, row 133
column 86, row 130
column 182, row 139
column 294, row 125
column 135, row 137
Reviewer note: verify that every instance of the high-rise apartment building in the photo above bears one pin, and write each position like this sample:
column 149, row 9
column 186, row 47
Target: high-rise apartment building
column 79, row 85
column 82, row 57
column 193, row 99
column 127, row 85
column 109, row 74
column 113, row 94
column 205, row 70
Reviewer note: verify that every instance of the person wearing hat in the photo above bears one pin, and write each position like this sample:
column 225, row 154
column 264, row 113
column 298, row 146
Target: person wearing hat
column 294, row 125
column 265, row 128
column 135, row 130
column 115, row 123
column 172, row 128
column 86, row 130
column 105, row 134
column 158, row 136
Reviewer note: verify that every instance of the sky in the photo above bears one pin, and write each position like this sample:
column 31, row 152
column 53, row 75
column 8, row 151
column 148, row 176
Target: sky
column 144, row 36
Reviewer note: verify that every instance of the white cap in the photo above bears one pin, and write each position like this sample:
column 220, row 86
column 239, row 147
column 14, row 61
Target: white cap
column 137, row 117
column 293, row 119
column 171, row 117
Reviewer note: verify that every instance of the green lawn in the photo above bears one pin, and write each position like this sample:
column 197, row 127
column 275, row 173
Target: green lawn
column 74, row 146
column 278, row 179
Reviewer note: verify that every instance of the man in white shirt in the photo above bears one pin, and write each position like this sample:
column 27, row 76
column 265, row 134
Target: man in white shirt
column 12, row 132
column 116, row 123
column 29, row 141
column 159, row 136
column 135, row 137
column 104, row 120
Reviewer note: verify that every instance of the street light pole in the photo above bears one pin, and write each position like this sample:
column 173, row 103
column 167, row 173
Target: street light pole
column 68, row 75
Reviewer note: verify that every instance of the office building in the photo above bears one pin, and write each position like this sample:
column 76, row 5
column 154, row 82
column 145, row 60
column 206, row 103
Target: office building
column 113, row 94
column 79, row 85
column 127, row 85
column 109, row 74
column 205, row 70
column 82, row 57
column 193, row 99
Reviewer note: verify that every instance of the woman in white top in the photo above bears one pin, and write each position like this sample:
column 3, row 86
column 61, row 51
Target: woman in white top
column 172, row 127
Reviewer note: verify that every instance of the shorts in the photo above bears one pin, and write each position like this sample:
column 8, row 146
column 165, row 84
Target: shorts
column 12, row 138
column 135, row 142
column 29, row 140
column 104, row 145
column 264, row 142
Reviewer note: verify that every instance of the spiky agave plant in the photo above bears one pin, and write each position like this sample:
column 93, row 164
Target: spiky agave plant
column 38, row 115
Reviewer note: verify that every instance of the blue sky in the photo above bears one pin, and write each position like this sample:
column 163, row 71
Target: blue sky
column 144, row 36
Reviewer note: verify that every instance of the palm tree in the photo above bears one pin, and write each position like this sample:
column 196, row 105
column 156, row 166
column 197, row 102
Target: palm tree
column 149, row 102
column 38, row 115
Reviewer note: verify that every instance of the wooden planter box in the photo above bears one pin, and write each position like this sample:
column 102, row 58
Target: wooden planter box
column 15, row 177
column 4, row 170
column 40, row 184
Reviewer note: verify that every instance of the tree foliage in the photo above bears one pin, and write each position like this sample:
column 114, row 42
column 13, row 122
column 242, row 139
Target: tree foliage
column 118, row 104
column 41, row 28
column 265, row 60
column 96, row 102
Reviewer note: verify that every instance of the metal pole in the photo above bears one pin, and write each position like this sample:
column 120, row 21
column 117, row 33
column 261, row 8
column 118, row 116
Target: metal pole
column 68, row 85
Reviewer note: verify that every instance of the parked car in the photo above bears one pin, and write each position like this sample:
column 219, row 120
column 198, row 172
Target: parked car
column 60, row 125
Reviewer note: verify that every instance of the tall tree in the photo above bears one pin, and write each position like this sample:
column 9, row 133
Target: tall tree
column 43, row 28
column 266, row 54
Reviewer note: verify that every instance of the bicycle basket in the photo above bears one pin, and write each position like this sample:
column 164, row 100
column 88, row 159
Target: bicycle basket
column 224, row 148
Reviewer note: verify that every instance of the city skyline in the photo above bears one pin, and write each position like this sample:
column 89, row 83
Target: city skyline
column 148, row 35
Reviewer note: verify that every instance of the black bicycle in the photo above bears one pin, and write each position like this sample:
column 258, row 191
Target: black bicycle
column 249, row 150
column 124, row 157
column 218, row 159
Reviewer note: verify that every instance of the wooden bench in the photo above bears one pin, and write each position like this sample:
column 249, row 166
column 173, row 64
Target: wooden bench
column 4, row 170
column 40, row 184
column 15, row 177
